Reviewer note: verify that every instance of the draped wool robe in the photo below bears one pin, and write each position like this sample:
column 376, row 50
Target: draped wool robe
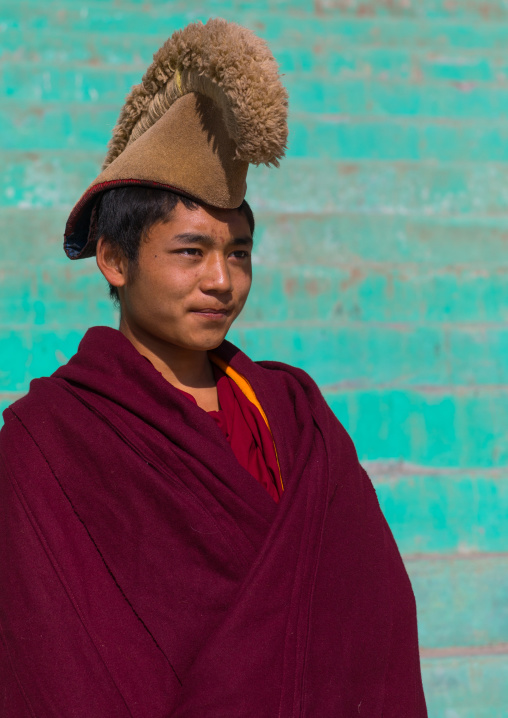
column 146, row 574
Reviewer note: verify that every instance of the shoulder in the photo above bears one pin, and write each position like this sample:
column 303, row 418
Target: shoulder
column 292, row 376
column 12, row 428
column 278, row 366
column 29, row 438
column 15, row 420
column 40, row 404
column 295, row 382
column 19, row 453
column 298, row 381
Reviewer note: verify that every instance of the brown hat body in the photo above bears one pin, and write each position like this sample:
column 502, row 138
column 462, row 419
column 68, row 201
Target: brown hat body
column 189, row 134
column 189, row 148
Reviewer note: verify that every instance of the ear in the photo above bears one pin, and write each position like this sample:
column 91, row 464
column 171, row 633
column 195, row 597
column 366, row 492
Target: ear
column 111, row 263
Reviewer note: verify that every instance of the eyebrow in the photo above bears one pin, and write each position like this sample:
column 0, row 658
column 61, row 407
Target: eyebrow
column 208, row 241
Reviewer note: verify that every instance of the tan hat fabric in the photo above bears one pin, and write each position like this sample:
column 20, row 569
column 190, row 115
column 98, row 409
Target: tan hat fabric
column 210, row 104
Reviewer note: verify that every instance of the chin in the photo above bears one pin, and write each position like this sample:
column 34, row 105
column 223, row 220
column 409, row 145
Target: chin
column 211, row 344
column 207, row 340
column 203, row 344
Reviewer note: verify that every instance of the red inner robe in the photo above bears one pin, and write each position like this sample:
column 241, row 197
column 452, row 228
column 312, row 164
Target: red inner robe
column 246, row 432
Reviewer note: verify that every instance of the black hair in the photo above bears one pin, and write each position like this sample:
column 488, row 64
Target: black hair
column 125, row 215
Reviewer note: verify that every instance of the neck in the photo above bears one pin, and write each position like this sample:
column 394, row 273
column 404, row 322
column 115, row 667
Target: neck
column 186, row 369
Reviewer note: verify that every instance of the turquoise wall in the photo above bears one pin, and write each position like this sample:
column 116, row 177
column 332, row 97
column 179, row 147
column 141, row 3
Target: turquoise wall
column 381, row 262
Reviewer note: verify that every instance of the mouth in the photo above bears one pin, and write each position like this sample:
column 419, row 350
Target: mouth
column 210, row 313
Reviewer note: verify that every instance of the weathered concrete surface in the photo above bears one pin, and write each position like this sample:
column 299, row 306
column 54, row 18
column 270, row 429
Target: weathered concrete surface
column 381, row 259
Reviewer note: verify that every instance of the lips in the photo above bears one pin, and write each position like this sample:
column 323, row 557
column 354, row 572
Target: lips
column 209, row 310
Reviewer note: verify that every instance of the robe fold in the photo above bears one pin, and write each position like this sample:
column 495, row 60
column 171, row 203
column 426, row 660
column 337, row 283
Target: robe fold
column 146, row 574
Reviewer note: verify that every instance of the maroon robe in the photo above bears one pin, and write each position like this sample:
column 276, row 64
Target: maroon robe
column 246, row 432
column 146, row 575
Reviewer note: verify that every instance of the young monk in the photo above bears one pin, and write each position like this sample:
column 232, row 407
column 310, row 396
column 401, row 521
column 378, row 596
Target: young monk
column 184, row 532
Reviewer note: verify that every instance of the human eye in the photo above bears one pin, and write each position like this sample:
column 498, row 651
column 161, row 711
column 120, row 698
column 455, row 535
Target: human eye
column 240, row 254
column 189, row 251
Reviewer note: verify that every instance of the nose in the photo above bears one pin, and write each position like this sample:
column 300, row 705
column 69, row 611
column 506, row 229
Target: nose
column 216, row 276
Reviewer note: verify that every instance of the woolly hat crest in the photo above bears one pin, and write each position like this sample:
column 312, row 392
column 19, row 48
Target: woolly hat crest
column 210, row 104
column 227, row 63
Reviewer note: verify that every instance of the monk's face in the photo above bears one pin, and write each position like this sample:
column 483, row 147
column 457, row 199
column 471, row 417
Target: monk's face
column 191, row 279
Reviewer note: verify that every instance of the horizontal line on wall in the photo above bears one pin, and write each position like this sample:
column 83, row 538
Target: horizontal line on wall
column 323, row 14
column 311, row 118
column 98, row 155
column 323, row 324
column 462, row 556
column 491, row 222
column 366, row 324
column 426, row 389
column 459, row 651
column 392, row 469
column 307, row 271
column 322, row 75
